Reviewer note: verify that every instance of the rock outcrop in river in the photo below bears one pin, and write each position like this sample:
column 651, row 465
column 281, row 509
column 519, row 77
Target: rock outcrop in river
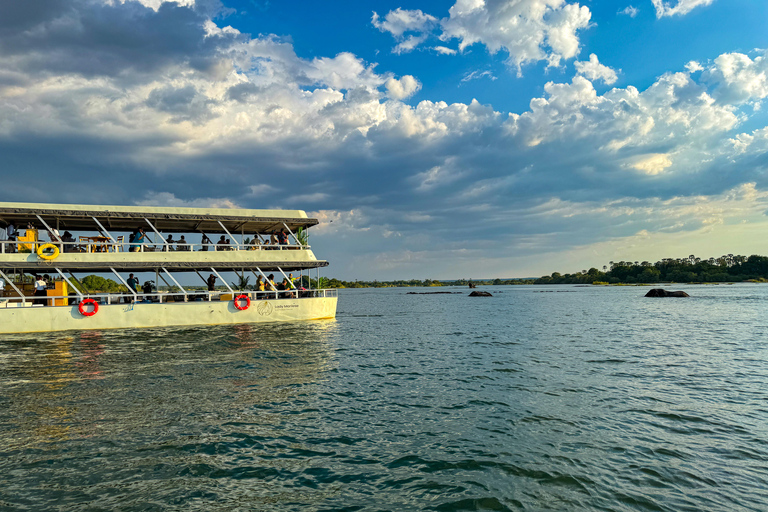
column 660, row 292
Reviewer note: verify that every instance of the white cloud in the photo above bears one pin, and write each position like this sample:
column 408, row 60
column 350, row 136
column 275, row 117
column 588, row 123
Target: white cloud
column 444, row 50
column 681, row 7
column 400, row 21
column 652, row 164
column 693, row 67
column 593, row 70
column 406, row 87
column 630, row 11
column 738, row 78
column 528, row 30
column 153, row 4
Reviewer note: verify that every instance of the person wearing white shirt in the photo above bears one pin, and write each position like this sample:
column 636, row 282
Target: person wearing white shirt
column 41, row 290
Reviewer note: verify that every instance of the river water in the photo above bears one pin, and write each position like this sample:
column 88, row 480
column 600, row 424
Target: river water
column 538, row 398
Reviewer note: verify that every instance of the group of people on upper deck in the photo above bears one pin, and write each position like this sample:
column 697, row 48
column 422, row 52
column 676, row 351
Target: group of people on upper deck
column 278, row 239
column 9, row 234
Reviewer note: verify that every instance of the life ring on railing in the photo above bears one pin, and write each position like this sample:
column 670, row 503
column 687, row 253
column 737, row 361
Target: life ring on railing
column 247, row 302
column 41, row 252
column 84, row 303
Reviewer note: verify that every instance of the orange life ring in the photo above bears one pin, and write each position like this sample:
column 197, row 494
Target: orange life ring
column 247, row 302
column 84, row 303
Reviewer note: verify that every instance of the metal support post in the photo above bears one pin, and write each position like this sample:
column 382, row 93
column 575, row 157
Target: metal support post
column 177, row 283
column 79, row 295
column 104, row 230
column 158, row 234
column 51, row 231
column 223, row 281
column 230, row 234
column 23, row 297
column 135, row 295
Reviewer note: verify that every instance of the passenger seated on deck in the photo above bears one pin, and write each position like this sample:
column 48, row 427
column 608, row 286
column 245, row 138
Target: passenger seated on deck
column 67, row 238
column 181, row 245
column 221, row 245
column 289, row 293
column 170, row 242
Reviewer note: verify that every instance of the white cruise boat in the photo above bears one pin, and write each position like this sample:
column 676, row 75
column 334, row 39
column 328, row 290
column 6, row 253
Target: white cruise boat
column 63, row 242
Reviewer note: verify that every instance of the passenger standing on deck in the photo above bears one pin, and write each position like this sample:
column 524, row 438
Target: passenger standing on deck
column 12, row 233
column 169, row 241
column 133, row 283
column 206, row 242
column 259, row 286
column 283, row 236
column 137, row 238
column 211, row 283
column 181, row 245
column 41, row 290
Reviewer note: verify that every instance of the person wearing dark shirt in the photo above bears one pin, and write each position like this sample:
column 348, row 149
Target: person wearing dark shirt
column 211, row 283
column 133, row 283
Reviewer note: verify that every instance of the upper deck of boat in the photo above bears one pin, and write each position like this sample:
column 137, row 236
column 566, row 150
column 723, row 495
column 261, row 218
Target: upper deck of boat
column 168, row 219
column 112, row 249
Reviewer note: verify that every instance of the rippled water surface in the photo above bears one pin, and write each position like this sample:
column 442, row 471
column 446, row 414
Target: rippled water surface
column 539, row 398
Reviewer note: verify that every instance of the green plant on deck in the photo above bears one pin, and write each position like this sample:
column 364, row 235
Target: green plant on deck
column 242, row 283
column 302, row 236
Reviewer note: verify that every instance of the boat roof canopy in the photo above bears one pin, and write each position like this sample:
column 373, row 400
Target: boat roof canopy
column 167, row 219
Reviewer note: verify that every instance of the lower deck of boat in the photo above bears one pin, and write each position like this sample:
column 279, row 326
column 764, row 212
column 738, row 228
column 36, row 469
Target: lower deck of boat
column 146, row 314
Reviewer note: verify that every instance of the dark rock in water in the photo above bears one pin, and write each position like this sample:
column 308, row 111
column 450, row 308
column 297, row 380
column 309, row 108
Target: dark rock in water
column 660, row 292
column 480, row 294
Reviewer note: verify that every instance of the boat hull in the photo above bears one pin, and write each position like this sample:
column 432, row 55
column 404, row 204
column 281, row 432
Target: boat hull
column 142, row 315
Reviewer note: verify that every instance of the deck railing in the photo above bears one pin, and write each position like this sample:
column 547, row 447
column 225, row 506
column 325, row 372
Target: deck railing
column 166, row 297
column 91, row 246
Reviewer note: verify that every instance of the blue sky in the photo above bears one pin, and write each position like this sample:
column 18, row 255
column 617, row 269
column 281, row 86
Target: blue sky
column 443, row 139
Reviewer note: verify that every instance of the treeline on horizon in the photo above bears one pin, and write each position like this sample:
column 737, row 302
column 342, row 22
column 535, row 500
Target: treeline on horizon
column 727, row 268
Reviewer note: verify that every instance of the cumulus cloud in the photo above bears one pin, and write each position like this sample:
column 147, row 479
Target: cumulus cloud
column 681, row 7
column 527, row 30
column 406, row 87
column 593, row 70
column 739, row 78
column 401, row 21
